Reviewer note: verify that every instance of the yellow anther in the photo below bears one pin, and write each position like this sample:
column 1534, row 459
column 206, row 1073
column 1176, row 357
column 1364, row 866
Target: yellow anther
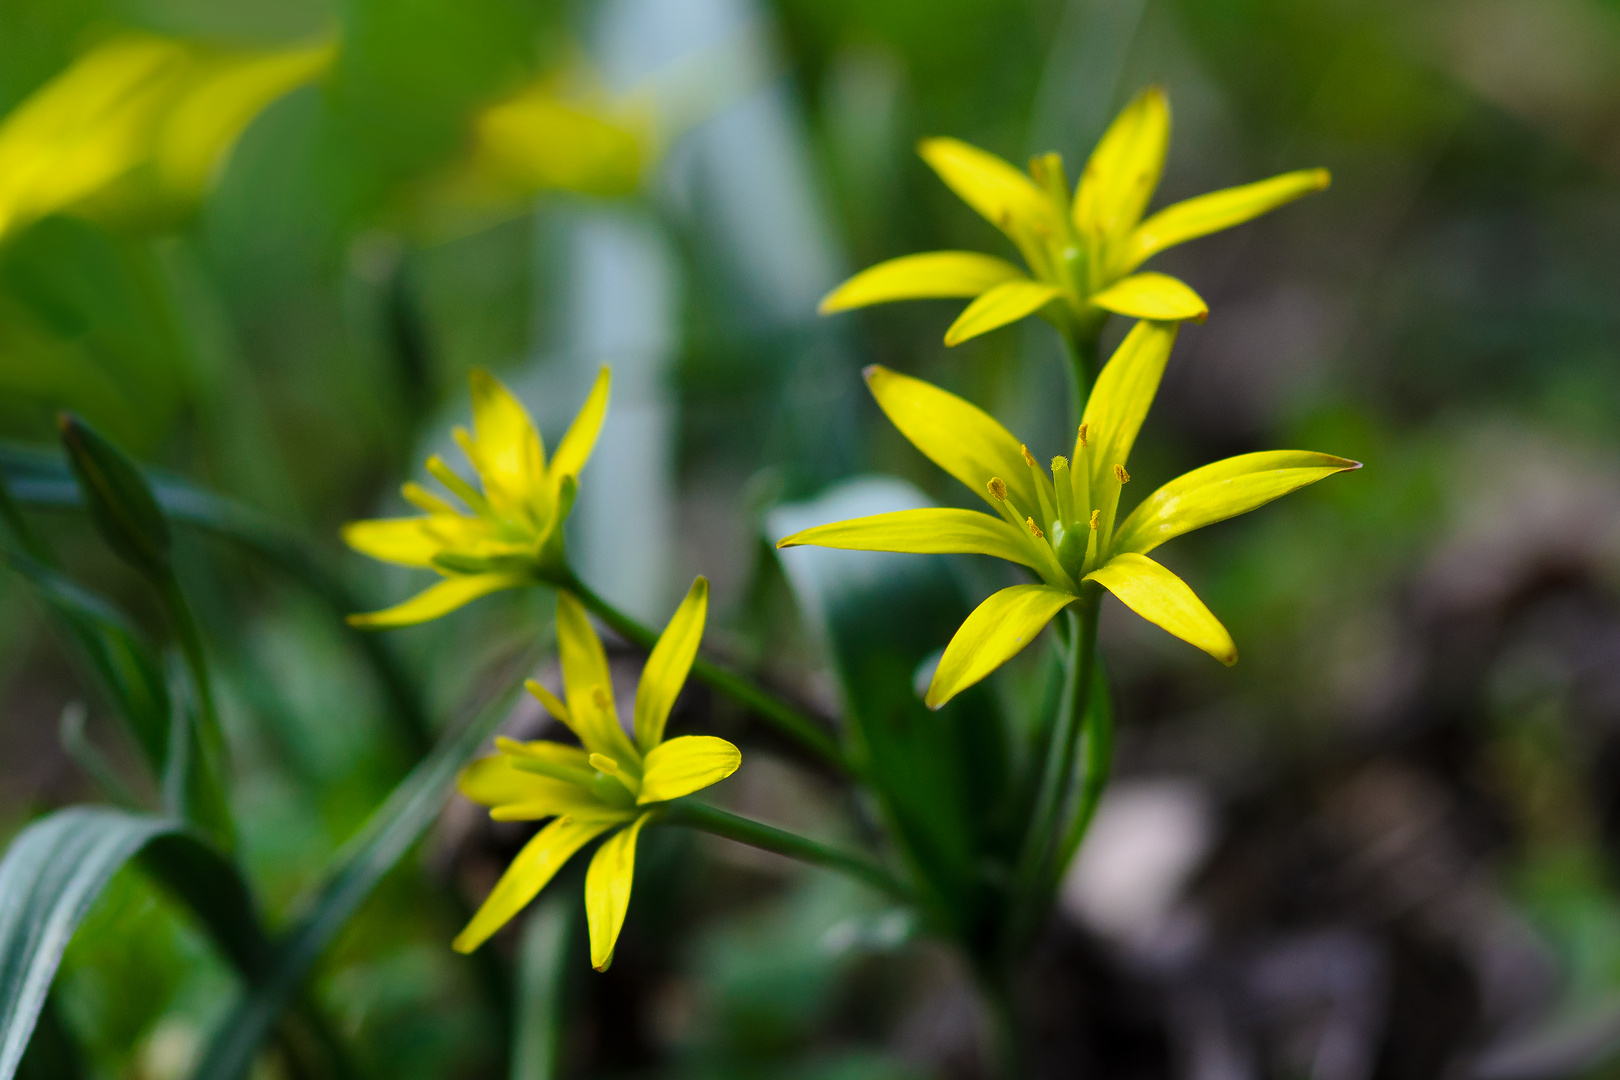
column 1121, row 475
column 998, row 489
column 1034, row 529
column 1029, row 458
column 1059, row 462
column 603, row 763
column 1096, row 517
column 599, row 698
column 1085, row 435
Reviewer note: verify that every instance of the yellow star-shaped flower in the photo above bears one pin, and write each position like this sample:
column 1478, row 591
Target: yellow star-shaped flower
column 1081, row 252
column 610, row 783
column 513, row 532
column 1060, row 524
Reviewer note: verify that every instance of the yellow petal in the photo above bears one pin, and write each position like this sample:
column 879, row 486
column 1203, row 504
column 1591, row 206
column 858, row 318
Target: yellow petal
column 222, row 99
column 509, row 454
column 589, row 683
column 534, row 140
column 916, row 277
column 580, row 439
column 1165, row 601
column 1152, row 296
column 687, row 764
column 493, row 781
column 1121, row 398
column 607, row 890
column 1222, row 490
column 535, row 865
column 405, row 541
column 85, row 128
column 441, row 599
column 1216, row 211
column 1007, row 198
column 991, row 635
column 670, row 660
column 959, row 437
column 1124, row 168
column 1006, row 303
column 928, row 531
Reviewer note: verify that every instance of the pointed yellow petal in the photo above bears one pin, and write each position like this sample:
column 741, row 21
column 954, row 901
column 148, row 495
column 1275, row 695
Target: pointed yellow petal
column 1006, row 197
column 87, row 127
column 1121, row 398
column 959, row 437
column 580, row 439
column 1222, row 490
column 405, row 541
column 1006, row 303
column 670, row 660
column 607, row 890
column 928, row 531
column 1216, row 211
column 589, row 683
column 995, row 632
column 492, row 781
column 535, row 865
column 687, row 764
column 1152, row 296
column 441, row 599
column 1124, row 168
column 1165, row 601
column 222, row 99
column 916, row 277
column 509, row 452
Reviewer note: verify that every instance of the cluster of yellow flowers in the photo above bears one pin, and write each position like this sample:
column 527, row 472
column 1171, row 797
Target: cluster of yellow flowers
column 1058, row 520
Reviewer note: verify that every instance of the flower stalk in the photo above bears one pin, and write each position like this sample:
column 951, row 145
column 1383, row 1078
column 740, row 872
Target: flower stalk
column 709, row 819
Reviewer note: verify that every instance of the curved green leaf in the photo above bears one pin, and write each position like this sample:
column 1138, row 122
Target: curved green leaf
column 41, row 479
column 55, row 869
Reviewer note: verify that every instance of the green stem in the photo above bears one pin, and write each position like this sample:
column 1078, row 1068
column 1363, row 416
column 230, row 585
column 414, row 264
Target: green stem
column 1040, row 839
column 696, row 815
column 1006, row 1033
column 788, row 719
column 1080, row 350
column 1097, row 761
column 210, row 736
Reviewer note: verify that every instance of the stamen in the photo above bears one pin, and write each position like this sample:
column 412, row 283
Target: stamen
column 600, row 698
column 1034, row 529
column 603, row 763
column 998, row 489
column 1085, row 435
column 1065, row 490
column 1121, row 475
column 1029, row 458
column 1096, row 516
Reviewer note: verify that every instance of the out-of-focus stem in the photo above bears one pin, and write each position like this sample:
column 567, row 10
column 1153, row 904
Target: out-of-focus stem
column 210, row 737
column 1098, row 759
column 788, row 719
column 698, row 815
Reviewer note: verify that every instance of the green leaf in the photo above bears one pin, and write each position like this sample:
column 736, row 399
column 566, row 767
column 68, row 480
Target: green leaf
column 942, row 777
column 55, row 869
column 391, row 832
column 118, row 498
column 41, row 479
column 121, row 658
